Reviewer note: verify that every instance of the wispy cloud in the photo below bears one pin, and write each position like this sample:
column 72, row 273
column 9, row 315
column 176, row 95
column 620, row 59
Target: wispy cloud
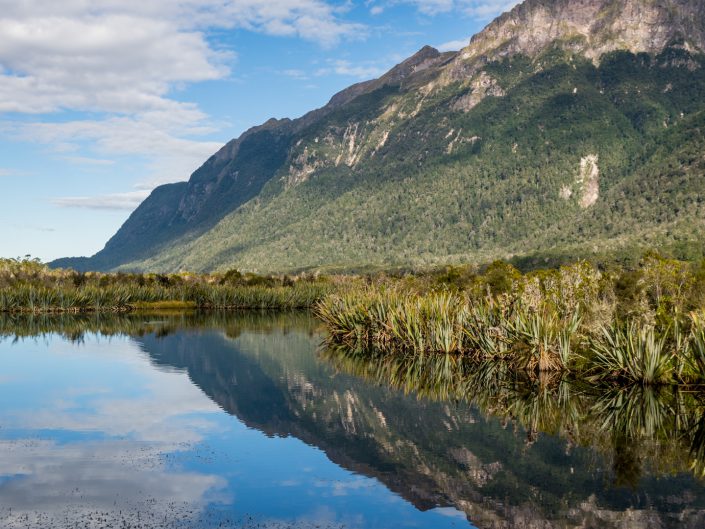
column 85, row 160
column 168, row 140
column 453, row 45
column 349, row 69
column 33, row 227
column 488, row 9
column 478, row 9
column 345, row 68
column 115, row 201
column 295, row 74
column 7, row 172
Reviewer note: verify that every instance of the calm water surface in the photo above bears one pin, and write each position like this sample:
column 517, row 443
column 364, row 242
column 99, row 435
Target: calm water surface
column 204, row 421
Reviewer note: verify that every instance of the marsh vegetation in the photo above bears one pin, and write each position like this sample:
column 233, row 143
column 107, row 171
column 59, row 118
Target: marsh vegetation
column 644, row 326
column 27, row 285
column 612, row 325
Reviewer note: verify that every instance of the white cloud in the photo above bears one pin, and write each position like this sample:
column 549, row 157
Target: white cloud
column 295, row 74
column 31, row 227
column 109, row 63
column 453, row 45
column 485, row 10
column 86, row 160
column 348, row 69
column 432, row 7
column 479, row 9
column 115, row 201
column 120, row 61
column 164, row 138
column 124, row 56
column 362, row 71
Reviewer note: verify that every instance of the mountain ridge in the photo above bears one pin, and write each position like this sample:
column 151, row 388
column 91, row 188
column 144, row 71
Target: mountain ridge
column 439, row 114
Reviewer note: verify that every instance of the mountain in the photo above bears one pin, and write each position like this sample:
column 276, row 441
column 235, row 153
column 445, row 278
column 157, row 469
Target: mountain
column 564, row 128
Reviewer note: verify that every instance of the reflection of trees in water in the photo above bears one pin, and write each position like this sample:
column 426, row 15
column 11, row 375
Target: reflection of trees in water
column 636, row 426
column 437, row 449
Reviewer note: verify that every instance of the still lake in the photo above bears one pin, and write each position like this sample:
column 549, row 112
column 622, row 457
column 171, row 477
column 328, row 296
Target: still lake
column 227, row 420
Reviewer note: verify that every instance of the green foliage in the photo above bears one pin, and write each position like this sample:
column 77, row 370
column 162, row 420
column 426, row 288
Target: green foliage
column 632, row 353
column 499, row 278
column 571, row 320
column 29, row 286
column 547, row 339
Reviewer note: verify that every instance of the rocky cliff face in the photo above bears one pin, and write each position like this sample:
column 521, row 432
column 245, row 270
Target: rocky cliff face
column 482, row 122
column 591, row 27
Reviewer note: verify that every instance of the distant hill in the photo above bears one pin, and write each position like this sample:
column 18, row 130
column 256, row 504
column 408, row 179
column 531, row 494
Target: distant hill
column 564, row 128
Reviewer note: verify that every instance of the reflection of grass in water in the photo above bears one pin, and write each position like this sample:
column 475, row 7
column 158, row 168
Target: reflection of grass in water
column 161, row 323
column 637, row 425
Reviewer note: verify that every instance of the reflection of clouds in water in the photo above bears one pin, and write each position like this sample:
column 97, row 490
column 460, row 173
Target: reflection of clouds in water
column 343, row 488
column 157, row 413
column 451, row 512
column 122, row 478
column 51, row 482
column 160, row 415
column 324, row 516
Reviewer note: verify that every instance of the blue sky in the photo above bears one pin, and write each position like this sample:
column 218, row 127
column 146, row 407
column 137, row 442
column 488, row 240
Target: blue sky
column 102, row 100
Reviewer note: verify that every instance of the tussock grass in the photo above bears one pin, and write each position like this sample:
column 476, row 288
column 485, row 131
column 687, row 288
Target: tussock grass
column 633, row 353
column 444, row 323
column 620, row 327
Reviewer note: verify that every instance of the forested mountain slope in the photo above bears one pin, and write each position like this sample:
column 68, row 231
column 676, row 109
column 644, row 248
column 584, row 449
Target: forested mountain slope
column 562, row 128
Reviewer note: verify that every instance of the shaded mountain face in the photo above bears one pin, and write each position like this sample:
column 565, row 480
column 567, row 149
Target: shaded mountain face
column 563, row 127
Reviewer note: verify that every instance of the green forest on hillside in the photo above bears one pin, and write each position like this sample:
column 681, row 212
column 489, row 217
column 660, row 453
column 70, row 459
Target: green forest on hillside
column 498, row 196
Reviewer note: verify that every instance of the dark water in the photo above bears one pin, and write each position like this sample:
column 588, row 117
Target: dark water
column 200, row 421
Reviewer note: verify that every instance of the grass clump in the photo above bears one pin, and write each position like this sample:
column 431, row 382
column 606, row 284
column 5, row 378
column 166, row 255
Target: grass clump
column 633, row 353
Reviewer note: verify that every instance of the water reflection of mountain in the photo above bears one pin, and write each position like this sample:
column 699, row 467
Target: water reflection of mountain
column 531, row 454
column 437, row 452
